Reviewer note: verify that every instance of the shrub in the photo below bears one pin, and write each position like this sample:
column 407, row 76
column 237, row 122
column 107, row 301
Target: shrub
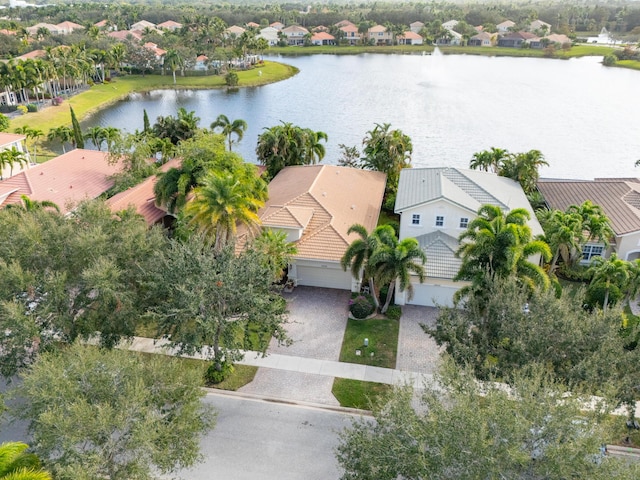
column 596, row 293
column 22, row 109
column 57, row 101
column 214, row 376
column 4, row 123
column 609, row 60
column 32, row 107
column 361, row 306
column 231, row 79
column 394, row 312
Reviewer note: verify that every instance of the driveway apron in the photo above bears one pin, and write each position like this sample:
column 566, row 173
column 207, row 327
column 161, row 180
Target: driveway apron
column 417, row 351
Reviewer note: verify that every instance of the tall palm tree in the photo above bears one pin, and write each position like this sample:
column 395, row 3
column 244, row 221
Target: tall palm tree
column 32, row 205
column 61, row 134
column 594, row 221
column 10, row 157
column 608, row 272
column 16, row 464
column 277, row 251
column 96, row 135
column 173, row 61
column 488, row 160
column 110, row 135
column 523, row 168
column 237, row 127
column 496, row 244
column 221, row 202
column 397, row 262
column 563, row 233
column 359, row 252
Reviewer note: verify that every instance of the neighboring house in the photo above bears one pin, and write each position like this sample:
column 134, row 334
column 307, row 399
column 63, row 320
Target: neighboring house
column 53, row 29
column 202, row 63
column 252, row 25
column 450, row 25
column 351, row 34
column 65, row 28
column 142, row 24
column 505, row 26
column 435, row 206
column 540, row 26
column 416, row 27
column 33, row 54
column 380, row 35
column 320, row 28
column 234, row 31
column 453, row 39
column 315, row 205
column 344, row 23
column 123, row 35
column 142, row 198
column 482, row 39
column 619, row 198
column 158, row 52
column 557, row 39
column 516, row 39
column 295, row 34
column 65, row 180
column 169, row 25
column 106, row 25
column 410, row 38
column 323, row 38
column 277, row 25
column 270, row 34
column 7, row 142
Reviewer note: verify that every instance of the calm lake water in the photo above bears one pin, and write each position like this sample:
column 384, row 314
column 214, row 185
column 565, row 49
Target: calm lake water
column 582, row 116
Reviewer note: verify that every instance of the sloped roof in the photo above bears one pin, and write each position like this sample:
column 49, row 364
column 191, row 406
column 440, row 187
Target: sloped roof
column 410, row 35
column 7, row 139
column 325, row 200
column 322, row 36
column 64, row 180
column 32, row 55
column 619, row 199
column 349, row 28
column 377, row 29
column 506, row 24
column 558, row 38
column 344, row 23
column 142, row 24
column 440, row 249
column 142, row 198
column 124, row 34
column 295, row 29
column 253, row 25
column 235, row 29
column 67, row 25
column 482, row 36
column 169, row 24
column 469, row 189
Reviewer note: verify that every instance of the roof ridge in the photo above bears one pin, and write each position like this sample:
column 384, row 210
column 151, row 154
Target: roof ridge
column 477, row 185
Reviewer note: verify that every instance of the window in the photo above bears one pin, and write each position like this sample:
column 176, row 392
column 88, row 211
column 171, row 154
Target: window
column 464, row 222
column 415, row 219
column 439, row 221
column 590, row 251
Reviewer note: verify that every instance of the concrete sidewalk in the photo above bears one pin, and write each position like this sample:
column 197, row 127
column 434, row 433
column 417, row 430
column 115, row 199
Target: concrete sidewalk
column 304, row 365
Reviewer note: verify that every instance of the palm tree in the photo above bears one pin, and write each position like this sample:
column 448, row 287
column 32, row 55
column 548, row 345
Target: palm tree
column 563, row 233
column 32, row 205
column 62, row 134
column 96, row 135
column 16, row 464
column 174, row 61
column 397, row 261
column 32, row 134
column 276, row 250
column 359, row 252
column 496, row 244
column 594, row 221
column 10, row 157
column 488, row 160
column 608, row 272
column 110, row 135
column 221, row 202
column 237, row 127
column 523, row 168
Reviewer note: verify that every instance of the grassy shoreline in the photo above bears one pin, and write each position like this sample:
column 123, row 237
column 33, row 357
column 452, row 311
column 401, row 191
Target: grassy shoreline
column 102, row 95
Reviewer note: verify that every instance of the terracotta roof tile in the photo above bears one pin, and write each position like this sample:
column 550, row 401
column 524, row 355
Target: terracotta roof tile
column 9, row 138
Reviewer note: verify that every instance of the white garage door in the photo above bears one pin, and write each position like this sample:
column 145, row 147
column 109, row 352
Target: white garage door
column 323, row 277
column 432, row 295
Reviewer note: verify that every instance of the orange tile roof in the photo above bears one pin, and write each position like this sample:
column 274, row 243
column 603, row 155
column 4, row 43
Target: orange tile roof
column 9, row 138
column 324, row 200
column 70, row 25
column 142, row 198
column 411, row 35
column 124, row 34
column 4, row 31
column 322, row 36
column 32, row 54
column 169, row 24
column 64, row 180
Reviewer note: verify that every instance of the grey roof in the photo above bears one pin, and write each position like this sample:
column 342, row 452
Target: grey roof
column 440, row 249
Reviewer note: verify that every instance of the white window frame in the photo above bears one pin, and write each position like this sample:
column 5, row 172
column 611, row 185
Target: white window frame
column 414, row 217
column 588, row 253
column 439, row 220
column 465, row 221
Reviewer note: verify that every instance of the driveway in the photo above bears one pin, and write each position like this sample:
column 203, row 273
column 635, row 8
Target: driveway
column 417, row 351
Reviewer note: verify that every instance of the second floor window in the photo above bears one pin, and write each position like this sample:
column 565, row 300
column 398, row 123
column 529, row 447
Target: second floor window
column 439, row 221
column 464, row 222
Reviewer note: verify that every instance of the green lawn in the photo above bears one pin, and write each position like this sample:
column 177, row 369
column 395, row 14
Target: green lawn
column 383, row 342
column 358, row 394
column 242, row 375
column 101, row 95
column 632, row 64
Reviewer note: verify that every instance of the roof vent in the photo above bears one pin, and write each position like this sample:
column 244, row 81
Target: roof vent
column 353, row 207
column 324, row 194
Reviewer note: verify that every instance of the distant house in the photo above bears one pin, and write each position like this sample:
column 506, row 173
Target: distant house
column 557, row 39
column 143, row 200
column 380, row 35
column 435, row 206
column 540, row 26
column 158, row 52
column 452, row 38
column 409, row 38
column 277, row 25
column 320, row 28
column 65, row 180
column 450, row 25
column 169, row 25
column 53, row 29
column 344, row 23
column 295, row 34
column 65, row 28
column 416, row 27
column 505, row 26
column 482, row 39
column 323, row 38
column 270, row 34
column 123, row 35
column 33, row 54
column 351, row 34
column 315, row 205
column 7, row 142
column 202, row 63
column 142, row 24
column 252, row 25
column 518, row 39
column 234, row 31
column 619, row 198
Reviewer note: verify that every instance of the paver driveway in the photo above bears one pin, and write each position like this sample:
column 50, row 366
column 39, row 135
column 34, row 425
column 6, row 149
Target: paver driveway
column 417, row 351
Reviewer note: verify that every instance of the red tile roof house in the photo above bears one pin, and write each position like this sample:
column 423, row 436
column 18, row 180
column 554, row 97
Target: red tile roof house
column 7, row 142
column 65, row 180
column 409, row 38
column 315, row 205
column 323, row 38
column 142, row 198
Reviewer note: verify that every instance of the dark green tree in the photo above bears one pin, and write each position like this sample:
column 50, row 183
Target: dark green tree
column 77, row 131
column 145, row 122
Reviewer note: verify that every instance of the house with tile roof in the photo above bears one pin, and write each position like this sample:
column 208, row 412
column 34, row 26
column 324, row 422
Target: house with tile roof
column 315, row 205
column 7, row 142
column 123, row 35
column 452, row 38
column 33, row 30
column 416, row 27
column 65, row 28
column 380, row 35
column 344, row 23
column 170, row 25
column 435, row 206
column 143, row 200
column 351, row 34
column 482, row 39
column 295, row 34
column 323, row 38
column 270, row 34
column 540, row 26
column 619, row 198
column 277, row 25
column 142, row 24
column 65, row 180
column 503, row 27
column 410, row 38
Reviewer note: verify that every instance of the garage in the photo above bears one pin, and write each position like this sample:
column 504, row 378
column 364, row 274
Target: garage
column 432, row 295
column 325, row 275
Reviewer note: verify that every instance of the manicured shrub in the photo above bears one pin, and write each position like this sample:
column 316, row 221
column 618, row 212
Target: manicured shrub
column 214, row 376
column 361, row 306
column 596, row 293
column 394, row 312
column 22, row 109
column 231, row 79
column 32, row 107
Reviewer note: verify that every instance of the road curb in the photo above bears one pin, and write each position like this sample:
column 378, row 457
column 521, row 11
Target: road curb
column 286, row 401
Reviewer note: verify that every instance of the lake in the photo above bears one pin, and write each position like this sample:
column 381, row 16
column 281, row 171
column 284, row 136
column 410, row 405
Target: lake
column 581, row 115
